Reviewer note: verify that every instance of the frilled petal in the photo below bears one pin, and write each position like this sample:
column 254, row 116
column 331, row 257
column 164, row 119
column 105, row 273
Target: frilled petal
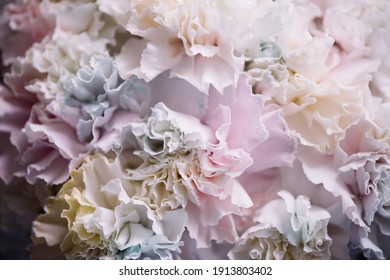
column 192, row 47
column 62, row 52
column 245, row 107
column 226, row 115
column 358, row 171
column 280, row 147
column 319, row 113
column 97, row 103
column 168, row 132
column 320, row 170
column 178, row 95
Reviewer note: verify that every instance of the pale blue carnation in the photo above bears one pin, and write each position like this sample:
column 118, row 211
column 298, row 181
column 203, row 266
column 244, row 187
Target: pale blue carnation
column 97, row 91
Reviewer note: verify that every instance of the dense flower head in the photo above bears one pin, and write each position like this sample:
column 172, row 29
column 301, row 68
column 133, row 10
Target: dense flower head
column 319, row 113
column 63, row 52
column 173, row 172
column 100, row 217
column 298, row 231
column 97, row 102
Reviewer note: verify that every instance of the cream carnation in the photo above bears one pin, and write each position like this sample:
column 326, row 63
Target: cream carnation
column 186, row 38
column 100, row 218
column 358, row 172
column 319, row 113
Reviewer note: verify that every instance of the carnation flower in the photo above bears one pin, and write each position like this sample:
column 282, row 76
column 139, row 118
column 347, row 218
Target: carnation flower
column 170, row 174
column 97, row 217
column 299, row 46
column 358, row 173
column 288, row 228
column 34, row 132
column 48, row 133
column 361, row 159
column 264, row 187
column 319, row 96
column 319, row 113
column 63, row 51
column 185, row 38
column 361, row 31
column 191, row 163
column 97, row 102
column 31, row 158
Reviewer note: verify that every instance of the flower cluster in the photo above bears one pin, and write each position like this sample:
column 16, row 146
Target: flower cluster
column 194, row 129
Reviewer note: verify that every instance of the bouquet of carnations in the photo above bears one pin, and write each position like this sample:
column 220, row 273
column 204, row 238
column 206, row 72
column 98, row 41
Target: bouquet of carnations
column 179, row 129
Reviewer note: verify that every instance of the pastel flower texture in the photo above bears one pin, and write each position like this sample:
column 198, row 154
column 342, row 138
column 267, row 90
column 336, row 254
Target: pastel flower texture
column 211, row 129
